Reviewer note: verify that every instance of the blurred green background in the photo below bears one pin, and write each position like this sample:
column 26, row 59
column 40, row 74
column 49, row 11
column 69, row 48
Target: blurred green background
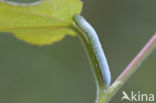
column 60, row 73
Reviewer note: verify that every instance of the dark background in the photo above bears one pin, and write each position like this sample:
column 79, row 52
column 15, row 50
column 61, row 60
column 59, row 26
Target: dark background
column 60, row 73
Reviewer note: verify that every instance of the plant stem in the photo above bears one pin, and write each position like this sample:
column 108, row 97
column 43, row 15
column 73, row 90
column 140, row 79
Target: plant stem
column 93, row 61
column 135, row 63
column 96, row 55
column 90, row 40
column 132, row 67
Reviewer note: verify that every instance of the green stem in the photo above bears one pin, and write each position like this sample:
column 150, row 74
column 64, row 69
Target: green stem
column 92, row 57
column 99, row 62
column 96, row 55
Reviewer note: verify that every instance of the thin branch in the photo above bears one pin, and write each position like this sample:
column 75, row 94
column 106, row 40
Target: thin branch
column 142, row 55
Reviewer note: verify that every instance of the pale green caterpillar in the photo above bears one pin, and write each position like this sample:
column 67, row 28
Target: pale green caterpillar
column 92, row 38
column 16, row 3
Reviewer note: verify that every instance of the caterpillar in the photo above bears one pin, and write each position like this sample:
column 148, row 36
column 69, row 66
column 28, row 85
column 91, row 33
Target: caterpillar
column 15, row 3
column 91, row 36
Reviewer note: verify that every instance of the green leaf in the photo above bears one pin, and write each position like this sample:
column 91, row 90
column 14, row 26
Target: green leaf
column 39, row 23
